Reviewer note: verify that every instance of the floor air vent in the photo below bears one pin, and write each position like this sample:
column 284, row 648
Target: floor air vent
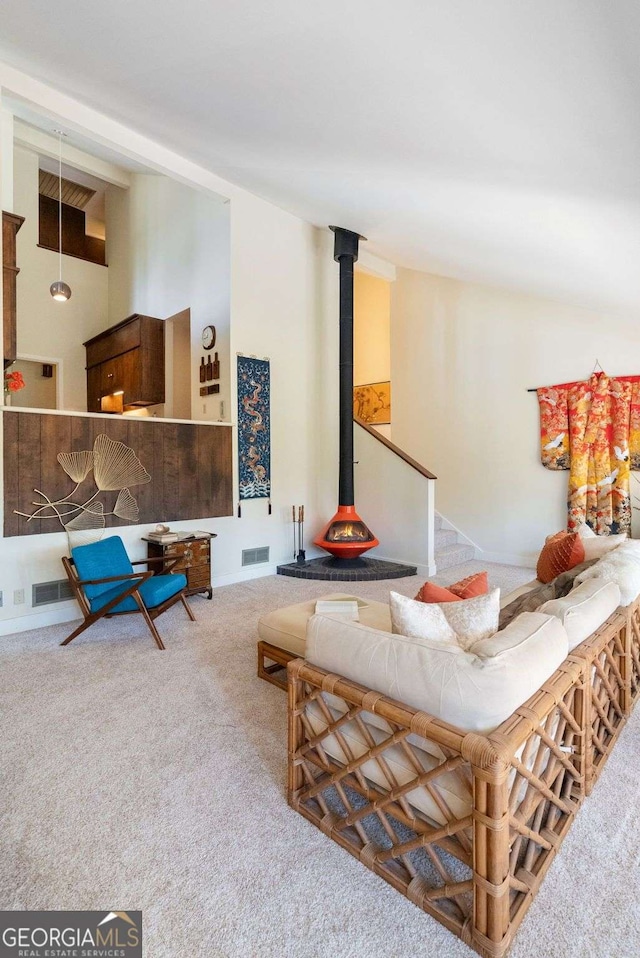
column 44, row 593
column 255, row 556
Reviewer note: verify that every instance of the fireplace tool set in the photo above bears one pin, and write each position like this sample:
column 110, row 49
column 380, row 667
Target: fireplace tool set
column 298, row 534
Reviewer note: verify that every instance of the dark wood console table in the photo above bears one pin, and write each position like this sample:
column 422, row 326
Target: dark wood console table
column 194, row 551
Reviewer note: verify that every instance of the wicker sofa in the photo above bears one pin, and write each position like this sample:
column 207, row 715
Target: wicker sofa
column 464, row 823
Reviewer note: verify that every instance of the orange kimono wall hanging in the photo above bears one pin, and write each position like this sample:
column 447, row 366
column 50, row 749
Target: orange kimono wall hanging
column 592, row 429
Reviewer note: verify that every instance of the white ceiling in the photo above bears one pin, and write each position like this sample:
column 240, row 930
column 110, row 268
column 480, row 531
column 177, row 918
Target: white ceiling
column 496, row 141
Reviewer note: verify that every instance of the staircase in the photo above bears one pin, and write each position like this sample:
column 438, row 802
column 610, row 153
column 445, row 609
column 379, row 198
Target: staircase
column 450, row 549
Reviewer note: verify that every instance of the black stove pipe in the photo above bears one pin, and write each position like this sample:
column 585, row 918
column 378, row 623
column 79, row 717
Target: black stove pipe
column 345, row 252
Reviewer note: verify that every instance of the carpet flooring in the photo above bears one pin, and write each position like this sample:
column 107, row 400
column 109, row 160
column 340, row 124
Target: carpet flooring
column 139, row 779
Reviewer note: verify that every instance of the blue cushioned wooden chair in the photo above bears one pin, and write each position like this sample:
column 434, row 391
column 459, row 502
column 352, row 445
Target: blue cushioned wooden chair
column 105, row 584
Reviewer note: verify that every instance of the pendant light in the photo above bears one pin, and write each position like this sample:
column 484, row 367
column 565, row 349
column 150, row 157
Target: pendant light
column 59, row 290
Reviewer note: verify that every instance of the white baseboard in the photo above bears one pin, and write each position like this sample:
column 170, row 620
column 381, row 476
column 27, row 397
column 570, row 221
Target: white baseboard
column 525, row 560
column 66, row 612
column 69, row 611
column 242, row 575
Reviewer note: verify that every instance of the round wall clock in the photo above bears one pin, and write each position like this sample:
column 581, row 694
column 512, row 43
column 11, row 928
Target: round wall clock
column 209, row 337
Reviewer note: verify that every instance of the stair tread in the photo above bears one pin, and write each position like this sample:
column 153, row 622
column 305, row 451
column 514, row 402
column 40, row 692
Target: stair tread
column 452, row 555
column 455, row 549
column 445, row 537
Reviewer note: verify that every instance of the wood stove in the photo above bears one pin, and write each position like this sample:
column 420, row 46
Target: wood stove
column 346, row 536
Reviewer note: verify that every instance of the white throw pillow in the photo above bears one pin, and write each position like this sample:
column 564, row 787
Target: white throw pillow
column 621, row 566
column 584, row 609
column 468, row 620
column 595, row 546
column 474, row 619
column 419, row 620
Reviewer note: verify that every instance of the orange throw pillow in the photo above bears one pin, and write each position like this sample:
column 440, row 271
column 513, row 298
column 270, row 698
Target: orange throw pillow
column 430, row 592
column 472, row 586
column 468, row 588
column 559, row 554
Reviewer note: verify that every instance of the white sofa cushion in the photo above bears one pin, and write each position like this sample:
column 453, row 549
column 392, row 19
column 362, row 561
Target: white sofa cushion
column 286, row 628
column 464, row 622
column 470, row 691
column 595, row 546
column 585, row 608
column 621, row 566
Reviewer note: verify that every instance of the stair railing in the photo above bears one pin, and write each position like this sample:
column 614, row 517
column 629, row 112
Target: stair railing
column 403, row 518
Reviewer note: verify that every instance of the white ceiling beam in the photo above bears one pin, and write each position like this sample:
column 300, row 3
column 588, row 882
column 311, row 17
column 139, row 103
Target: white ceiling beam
column 46, row 145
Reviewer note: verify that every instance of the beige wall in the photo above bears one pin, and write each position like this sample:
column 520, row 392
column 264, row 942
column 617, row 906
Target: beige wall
column 39, row 392
column 372, row 329
column 463, row 356
column 47, row 329
column 168, row 250
column 372, row 333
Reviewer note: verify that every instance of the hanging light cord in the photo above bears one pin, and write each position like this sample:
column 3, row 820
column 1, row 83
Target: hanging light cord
column 60, row 205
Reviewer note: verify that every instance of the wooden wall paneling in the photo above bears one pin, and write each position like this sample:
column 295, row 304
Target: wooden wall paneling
column 171, row 474
column 82, row 440
column 55, row 437
column 29, row 474
column 204, row 472
column 158, row 471
column 118, row 430
column 224, row 475
column 215, row 472
column 141, row 441
column 11, row 474
column 188, row 482
column 190, row 467
column 81, row 436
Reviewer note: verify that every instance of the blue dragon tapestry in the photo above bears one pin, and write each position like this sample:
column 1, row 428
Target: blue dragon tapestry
column 254, row 428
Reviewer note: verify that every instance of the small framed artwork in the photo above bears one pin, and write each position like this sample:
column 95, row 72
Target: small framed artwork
column 372, row 403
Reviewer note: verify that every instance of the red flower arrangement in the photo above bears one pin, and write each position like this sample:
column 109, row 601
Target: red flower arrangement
column 13, row 382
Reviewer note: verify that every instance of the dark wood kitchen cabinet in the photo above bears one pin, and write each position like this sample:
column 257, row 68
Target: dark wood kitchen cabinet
column 126, row 361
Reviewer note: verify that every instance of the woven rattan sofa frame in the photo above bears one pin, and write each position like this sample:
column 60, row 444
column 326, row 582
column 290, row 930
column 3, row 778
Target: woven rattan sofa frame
column 574, row 718
column 272, row 664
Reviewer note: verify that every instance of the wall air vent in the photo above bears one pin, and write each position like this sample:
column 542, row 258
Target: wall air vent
column 255, row 556
column 44, row 593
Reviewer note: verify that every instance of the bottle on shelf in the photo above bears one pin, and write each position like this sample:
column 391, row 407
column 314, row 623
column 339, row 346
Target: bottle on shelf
column 216, row 367
column 203, row 371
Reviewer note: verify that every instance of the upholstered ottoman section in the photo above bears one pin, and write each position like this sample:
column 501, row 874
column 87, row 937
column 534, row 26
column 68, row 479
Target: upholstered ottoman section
column 283, row 632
